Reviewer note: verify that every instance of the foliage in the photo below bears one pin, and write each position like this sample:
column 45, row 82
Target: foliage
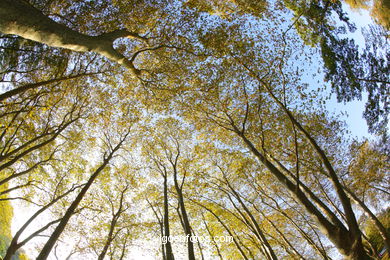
column 192, row 118
column 6, row 213
column 350, row 71
column 372, row 233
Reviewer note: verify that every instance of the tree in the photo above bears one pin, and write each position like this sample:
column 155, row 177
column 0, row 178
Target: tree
column 116, row 214
column 245, row 117
column 379, row 10
column 167, row 159
column 6, row 213
column 69, row 212
column 33, row 25
column 372, row 233
column 163, row 218
column 126, row 120
column 15, row 244
column 349, row 71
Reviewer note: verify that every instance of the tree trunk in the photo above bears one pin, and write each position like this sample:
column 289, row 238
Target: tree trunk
column 268, row 251
column 69, row 212
column 353, row 227
column 15, row 245
column 186, row 222
column 20, row 18
column 357, row 252
column 11, row 250
column 377, row 223
column 211, row 235
column 26, row 87
column 168, row 246
column 225, row 226
column 114, row 220
column 346, row 241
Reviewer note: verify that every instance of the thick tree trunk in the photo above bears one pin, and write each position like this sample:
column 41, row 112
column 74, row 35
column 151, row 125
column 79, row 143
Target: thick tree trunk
column 20, row 18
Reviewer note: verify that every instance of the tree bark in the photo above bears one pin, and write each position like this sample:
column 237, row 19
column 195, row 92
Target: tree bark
column 20, row 18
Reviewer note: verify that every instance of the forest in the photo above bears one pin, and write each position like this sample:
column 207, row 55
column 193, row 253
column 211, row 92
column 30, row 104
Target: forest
column 194, row 129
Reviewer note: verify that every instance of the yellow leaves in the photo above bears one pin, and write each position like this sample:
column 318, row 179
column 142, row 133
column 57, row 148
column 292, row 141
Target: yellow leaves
column 372, row 232
column 203, row 6
column 357, row 4
column 224, row 9
column 23, row 256
column 6, row 213
column 381, row 13
column 368, row 169
column 368, row 162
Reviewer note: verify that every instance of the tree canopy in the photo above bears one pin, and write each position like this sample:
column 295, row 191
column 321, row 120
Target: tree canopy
column 128, row 125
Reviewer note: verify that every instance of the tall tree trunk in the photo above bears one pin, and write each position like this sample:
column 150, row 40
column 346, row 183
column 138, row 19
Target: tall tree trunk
column 354, row 233
column 225, row 226
column 161, row 224
column 186, row 222
column 15, row 245
column 345, row 240
column 268, row 251
column 22, row 19
column 211, row 236
column 115, row 217
column 168, row 245
column 69, row 212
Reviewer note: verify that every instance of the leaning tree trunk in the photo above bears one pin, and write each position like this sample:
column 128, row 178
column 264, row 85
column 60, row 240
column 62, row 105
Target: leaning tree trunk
column 348, row 243
column 20, row 18
column 24, row 88
column 72, row 208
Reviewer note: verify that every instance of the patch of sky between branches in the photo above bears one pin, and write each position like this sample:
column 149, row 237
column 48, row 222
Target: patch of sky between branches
column 351, row 112
column 354, row 109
